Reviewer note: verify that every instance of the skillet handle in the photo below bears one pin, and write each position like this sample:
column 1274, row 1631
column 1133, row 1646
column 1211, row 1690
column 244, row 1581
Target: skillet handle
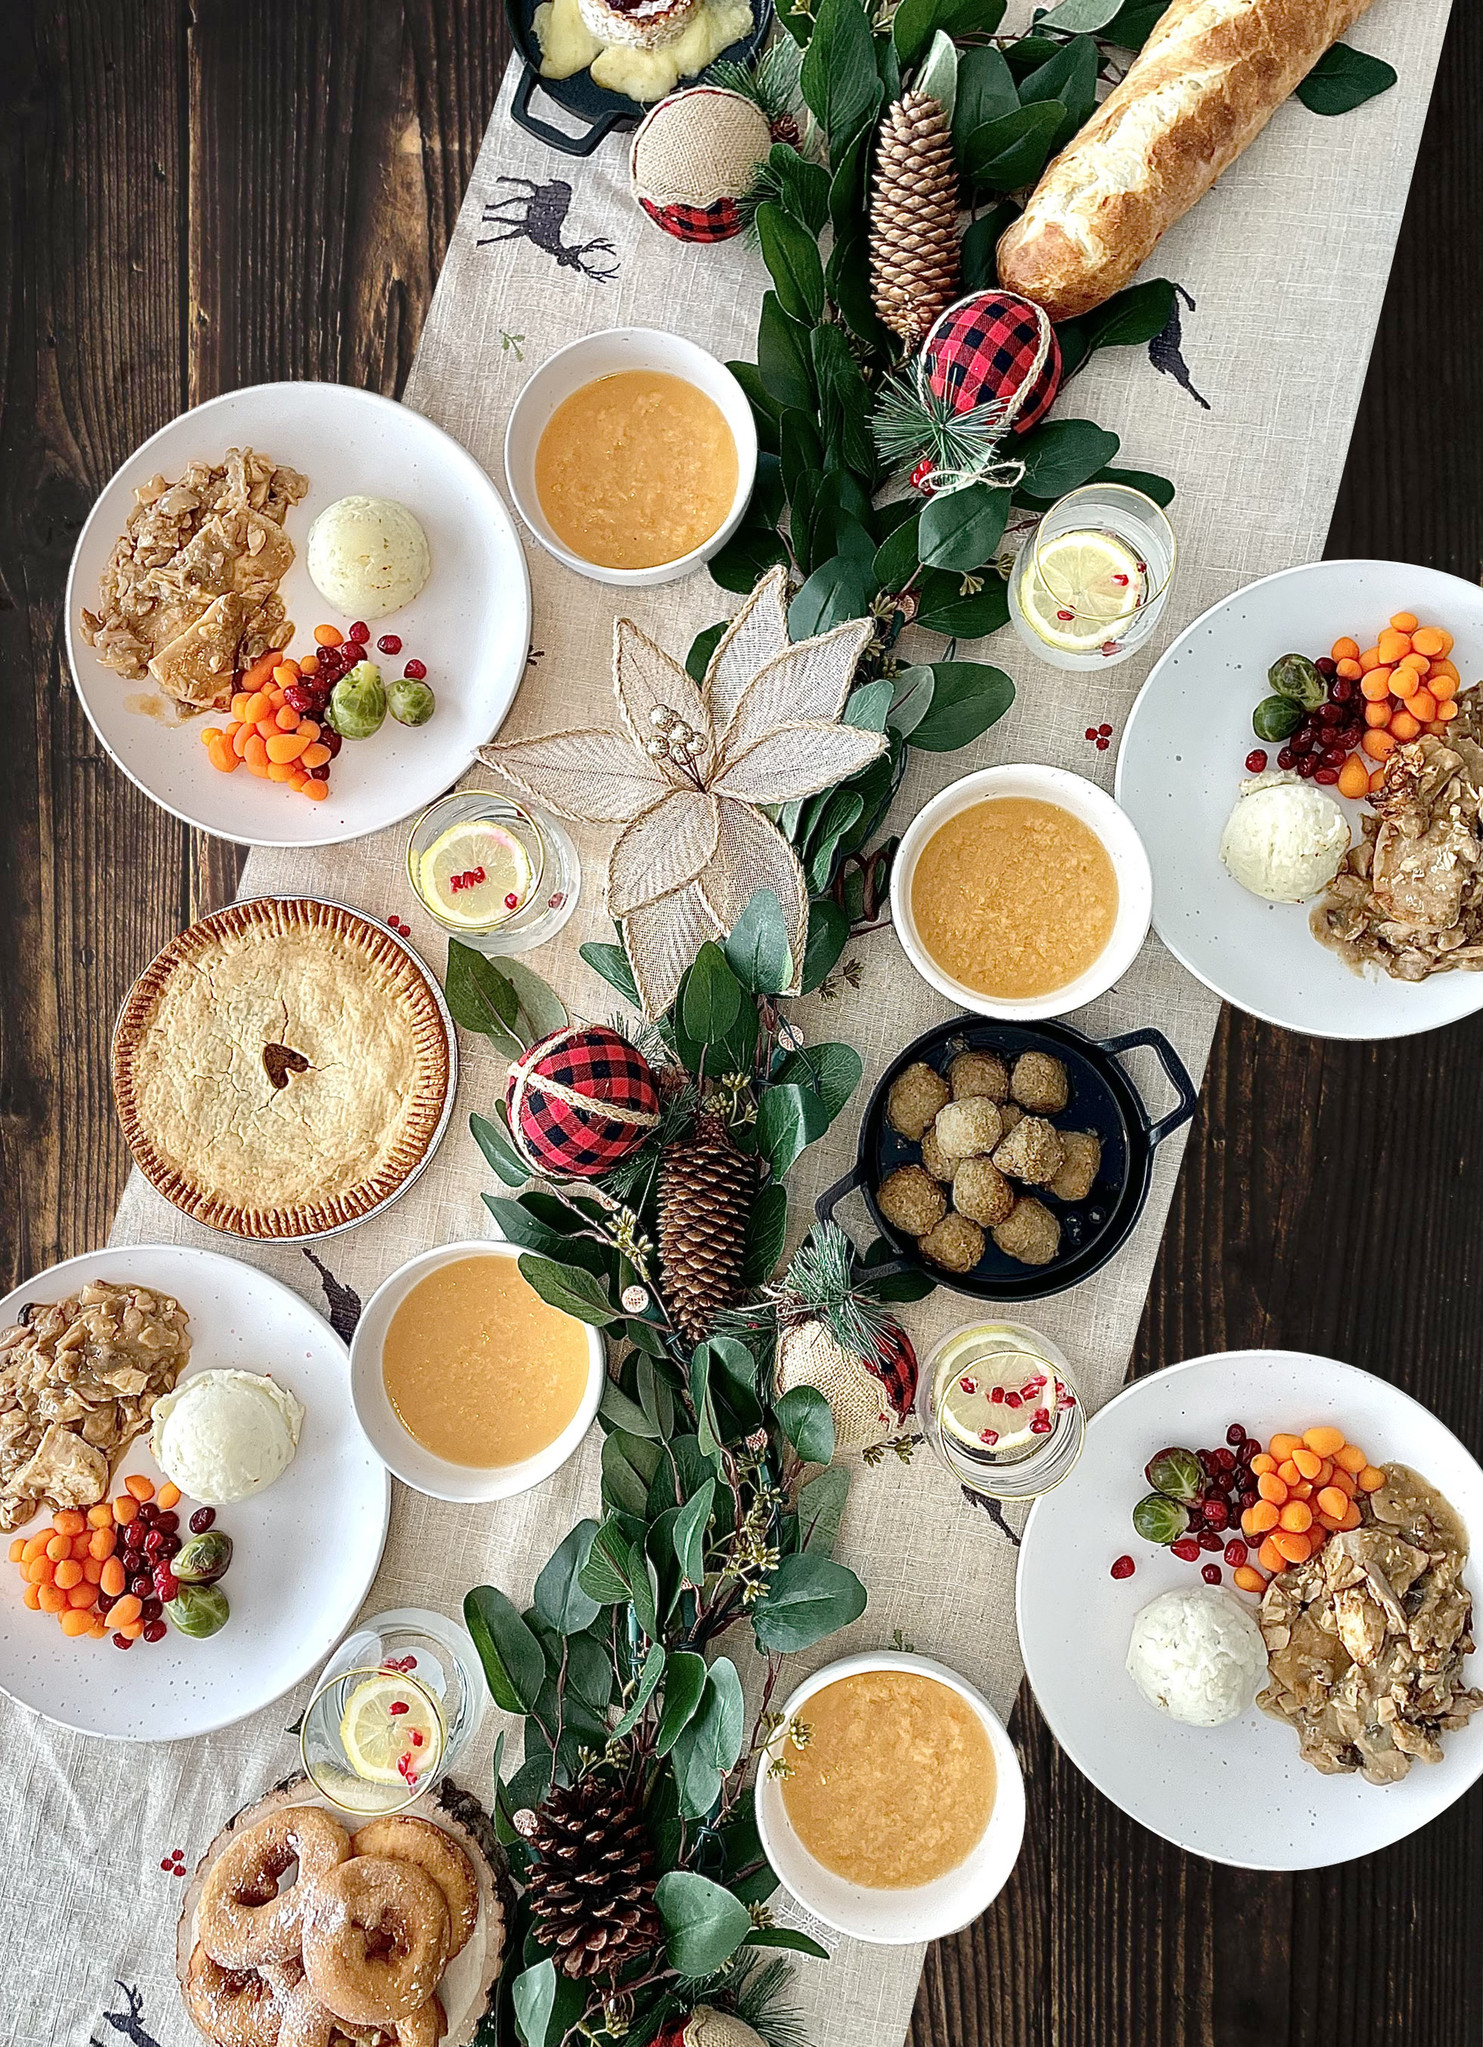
column 1175, row 1072
column 569, row 145
column 830, row 1199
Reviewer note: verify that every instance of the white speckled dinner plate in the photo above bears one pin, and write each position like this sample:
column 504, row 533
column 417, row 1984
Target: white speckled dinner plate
column 304, row 1552
column 1179, row 770
column 470, row 624
column 1240, row 1793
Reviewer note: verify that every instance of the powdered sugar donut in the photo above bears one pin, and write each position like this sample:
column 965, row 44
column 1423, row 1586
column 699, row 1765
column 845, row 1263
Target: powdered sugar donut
column 245, row 1921
column 233, row 2007
column 405, row 1839
column 354, row 1912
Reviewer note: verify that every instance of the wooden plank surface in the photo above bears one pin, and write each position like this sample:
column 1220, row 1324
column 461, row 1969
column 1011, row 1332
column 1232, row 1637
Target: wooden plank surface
column 202, row 196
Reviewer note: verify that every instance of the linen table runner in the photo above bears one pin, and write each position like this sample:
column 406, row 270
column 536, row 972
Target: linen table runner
column 1249, row 409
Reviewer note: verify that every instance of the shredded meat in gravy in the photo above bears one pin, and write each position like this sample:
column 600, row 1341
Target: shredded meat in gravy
column 1409, row 897
column 1366, row 1643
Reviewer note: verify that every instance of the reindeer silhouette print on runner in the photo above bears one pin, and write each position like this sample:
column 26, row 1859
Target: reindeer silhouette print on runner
column 537, row 214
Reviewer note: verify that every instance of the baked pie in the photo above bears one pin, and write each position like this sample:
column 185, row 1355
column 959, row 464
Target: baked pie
column 281, row 1069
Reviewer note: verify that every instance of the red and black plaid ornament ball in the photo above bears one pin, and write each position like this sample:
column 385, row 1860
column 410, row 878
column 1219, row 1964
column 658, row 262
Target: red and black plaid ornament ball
column 581, row 1100
column 694, row 159
column 994, row 345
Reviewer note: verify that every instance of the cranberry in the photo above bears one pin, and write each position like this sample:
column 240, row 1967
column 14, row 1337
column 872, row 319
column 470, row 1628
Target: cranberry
column 299, row 697
column 1226, row 1459
column 148, row 1512
column 1306, row 767
column 1256, row 760
column 1235, row 1435
column 1248, row 1497
column 122, row 1642
column 332, row 740
column 1331, row 714
column 1248, row 1450
column 1207, row 1462
column 1210, row 1540
column 153, row 1607
column 141, row 1584
column 1216, row 1512
column 1236, row 1554
column 166, row 1522
column 355, row 651
column 388, row 644
column 1284, row 758
column 154, row 1543
column 202, row 1519
column 1211, row 1574
column 1343, row 691
column 415, row 671
column 166, row 1585
column 1333, row 756
column 107, row 1600
column 1326, row 665
column 169, row 1545
column 154, row 1631
column 1328, row 776
column 1186, row 1550
column 1123, row 1567
column 134, row 1536
column 359, row 631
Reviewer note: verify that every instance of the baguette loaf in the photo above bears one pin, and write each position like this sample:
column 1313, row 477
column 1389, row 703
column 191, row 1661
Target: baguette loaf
column 1205, row 85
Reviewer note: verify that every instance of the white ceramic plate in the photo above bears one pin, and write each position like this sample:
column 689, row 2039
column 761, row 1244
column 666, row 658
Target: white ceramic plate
column 303, row 1555
column 1182, row 760
column 1239, row 1793
column 470, row 624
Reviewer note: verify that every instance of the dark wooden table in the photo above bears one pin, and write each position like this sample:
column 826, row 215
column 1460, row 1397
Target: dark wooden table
column 202, row 195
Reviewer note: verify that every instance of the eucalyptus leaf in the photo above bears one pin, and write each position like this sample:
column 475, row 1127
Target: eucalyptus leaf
column 757, row 948
column 519, row 1226
column 945, row 608
column 611, row 961
column 844, row 809
column 807, row 1420
column 1063, row 454
column 808, row 1598
column 767, row 1229
column 513, row 1664
column 828, row 935
column 847, row 184
column 546, row 2005
column 783, row 361
column 644, row 1596
column 802, row 452
column 624, row 1413
column 897, row 557
column 789, row 1119
column 869, row 706
column 627, row 1468
column 967, row 698
column 786, row 1937
column 690, row 1532
column 604, row 1572
column 986, row 92
column 847, row 281
column 480, row 998
column 1159, row 488
column 720, row 1726
column 1008, row 152
column 802, row 186
column 649, row 1678
column 1069, row 80
column 541, row 1008
column 559, row 1597
column 684, row 1685
column 938, row 77
column 1080, row 17
column 500, row 1152
column 746, row 557
column 656, row 1396
column 1134, row 23
column 820, row 1509
column 844, row 401
column 703, row 1924
column 832, row 1071
column 838, row 79
column 911, row 701
column 1343, row 79
column 837, row 592
column 712, row 999
column 569, row 1288
column 792, row 257
column 697, row 1779
column 960, row 529
column 916, row 21
column 979, row 246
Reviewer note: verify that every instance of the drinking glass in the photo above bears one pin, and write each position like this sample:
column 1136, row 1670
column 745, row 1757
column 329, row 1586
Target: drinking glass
column 548, row 898
column 1089, row 584
column 1011, row 1354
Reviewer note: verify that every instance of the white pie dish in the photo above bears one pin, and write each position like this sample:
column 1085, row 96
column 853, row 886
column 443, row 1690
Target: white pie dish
column 400, row 1451
column 581, row 363
column 893, row 1918
column 1094, row 808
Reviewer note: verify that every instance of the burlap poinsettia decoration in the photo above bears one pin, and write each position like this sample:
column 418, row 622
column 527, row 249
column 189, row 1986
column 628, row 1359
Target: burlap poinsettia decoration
column 688, row 777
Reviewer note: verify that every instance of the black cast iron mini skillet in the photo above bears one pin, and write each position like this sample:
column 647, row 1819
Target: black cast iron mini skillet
column 1103, row 1100
column 598, row 109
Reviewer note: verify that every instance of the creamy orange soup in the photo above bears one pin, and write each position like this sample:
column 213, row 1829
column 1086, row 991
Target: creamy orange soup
column 897, row 1781
column 636, row 469
column 1014, row 897
column 479, row 1369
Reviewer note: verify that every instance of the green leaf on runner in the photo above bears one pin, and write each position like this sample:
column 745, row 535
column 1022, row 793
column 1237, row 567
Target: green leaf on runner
column 802, row 452
column 558, row 1595
column 604, row 1573
column 1344, row 79
column 967, row 698
column 712, row 1000
column 1064, row 454
column 912, row 701
column 628, row 1465
column 1129, row 320
column 513, row 1664
column 783, row 361
column 792, row 257
column 757, row 949
column 803, row 187
column 960, row 529
column 624, row 1413
column 820, row 1508
column 808, row 1598
column 611, row 961
column 684, row 1683
column 838, row 591
column 1133, row 24
column 493, row 1140
column 541, row 1008
column 946, row 609
column 1159, row 488
column 690, row 1532
column 703, row 1924
column 807, row 1420
column 1008, row 152
column 898, row 555
column 980, row 243
column 767, row 1230
column 480, row 998
column 869, row 705
column 1080, row 17
column 698, row 660
column 916, row 21
column 788, row 1121
column 938, row 77
column 828, row 935
column 719, row 1728
column 746, row 557
column 844, row 401
column 569, row 1288
column 838, row 79
column 986, row 92
column 546, row 2005
column 832, row 1071
column 649, row 1678
column 786, row 1937
column 1069, row 78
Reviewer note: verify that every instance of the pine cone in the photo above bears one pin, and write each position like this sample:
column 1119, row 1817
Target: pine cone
column 706, row 1187
column 591, row 1887
column 915, row 264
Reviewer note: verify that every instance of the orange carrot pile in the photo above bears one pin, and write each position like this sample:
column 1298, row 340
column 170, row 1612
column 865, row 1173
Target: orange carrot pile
column 267, row 735
column 1409, row 686
column 1309, row 1486
column 71, row 1569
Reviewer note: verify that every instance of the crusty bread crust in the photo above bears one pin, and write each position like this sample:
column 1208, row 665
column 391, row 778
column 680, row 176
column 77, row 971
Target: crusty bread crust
column 1206, row 83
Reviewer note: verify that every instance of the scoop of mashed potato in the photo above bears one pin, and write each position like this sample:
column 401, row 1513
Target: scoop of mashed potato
column 368, row 556
column 1197, row 1656
column 1285, row 838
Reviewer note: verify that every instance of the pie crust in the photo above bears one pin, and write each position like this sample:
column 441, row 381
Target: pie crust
column 281, row 1069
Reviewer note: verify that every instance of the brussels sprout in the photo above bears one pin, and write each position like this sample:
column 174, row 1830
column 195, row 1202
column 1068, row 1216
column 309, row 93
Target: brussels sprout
column 198, row 1610
column 1274, row 717
column 357, row 706
column 1295, row 676
column 410, row 702
column 1176, row 1472
column 1157, row 1518
column 203, row 1559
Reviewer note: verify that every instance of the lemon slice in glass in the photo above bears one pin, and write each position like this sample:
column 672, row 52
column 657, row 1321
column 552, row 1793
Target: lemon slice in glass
column 1080, row 589
column 468, row 876
column 390, row 1731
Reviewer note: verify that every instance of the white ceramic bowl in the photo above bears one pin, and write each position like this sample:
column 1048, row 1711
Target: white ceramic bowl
column 603, row 355
column 1095, row 809
column 889, row 1918
column 401, row 1452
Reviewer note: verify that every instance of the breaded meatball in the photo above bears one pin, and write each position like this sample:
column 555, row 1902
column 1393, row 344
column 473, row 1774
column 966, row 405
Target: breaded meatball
column 1040, row 1084
column 911, row 1200
column 1029, row 1233
column 968, row 1129
column 1078, row 1170
column 935, row 1159
column 1010, row 1113
column 981, row 1192
column 956, row 1244
column 915, row 1098
column 979, row 1073
column 1032, row 1151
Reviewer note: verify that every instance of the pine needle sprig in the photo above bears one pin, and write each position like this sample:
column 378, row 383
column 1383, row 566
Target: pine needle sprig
column 911, row 421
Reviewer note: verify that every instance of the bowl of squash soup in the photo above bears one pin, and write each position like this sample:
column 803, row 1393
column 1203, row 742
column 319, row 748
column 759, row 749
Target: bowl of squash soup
column 468, row 1384
column 631, row 455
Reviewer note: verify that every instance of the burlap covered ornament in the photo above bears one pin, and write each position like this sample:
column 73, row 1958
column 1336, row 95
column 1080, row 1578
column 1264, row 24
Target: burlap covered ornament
column 870, row 1391
column 694, row 159
column 579, row 1101
column 707, row 2027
